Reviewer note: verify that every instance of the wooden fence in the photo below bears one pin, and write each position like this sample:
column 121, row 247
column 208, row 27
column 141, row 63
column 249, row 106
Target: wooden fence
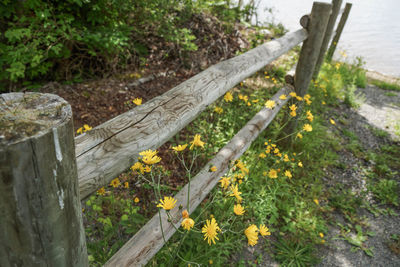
column 45, row 173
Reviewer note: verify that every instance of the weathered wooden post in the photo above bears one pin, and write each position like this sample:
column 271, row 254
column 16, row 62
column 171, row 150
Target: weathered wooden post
column 316, row 27
column 339, row 30
column 336, row 4
column 40, row 210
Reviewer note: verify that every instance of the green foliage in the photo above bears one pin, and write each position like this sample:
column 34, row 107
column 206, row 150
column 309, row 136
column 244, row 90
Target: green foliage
column 109, row 216
column 386, row 85
column 386, row 191
column 291, row 253
column 78, row 38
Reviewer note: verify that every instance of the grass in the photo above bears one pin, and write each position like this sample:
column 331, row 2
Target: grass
column 385, row 85
column 296, row 210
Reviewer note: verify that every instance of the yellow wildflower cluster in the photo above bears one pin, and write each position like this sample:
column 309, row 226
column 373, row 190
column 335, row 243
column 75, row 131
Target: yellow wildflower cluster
column 293, row 109
column 150, row 157
column 310, row 116
column 252, row 232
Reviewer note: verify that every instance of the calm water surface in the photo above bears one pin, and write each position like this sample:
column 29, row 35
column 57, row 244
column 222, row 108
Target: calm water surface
column 372, row 30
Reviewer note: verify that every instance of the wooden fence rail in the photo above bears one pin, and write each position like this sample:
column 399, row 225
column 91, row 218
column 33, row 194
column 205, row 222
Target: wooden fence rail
column 41, row 219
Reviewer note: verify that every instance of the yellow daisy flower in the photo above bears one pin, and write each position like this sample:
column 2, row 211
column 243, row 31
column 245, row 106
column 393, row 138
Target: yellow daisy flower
column 218, row 110
column 137, row 101
column 252, row 234
column 270, row 104
column 264, row 231
column 282, row 97
column 115, row 183
column 179, row 148
column 187, row 224
column 273, row 174
column 210, row 230
column 225, row 181
column 288, row 174
column 236, row 193
column 101, row 191
column 238, row 209
column 168, row 203
column 228, row 97
column 197, row 142
column 307, row 127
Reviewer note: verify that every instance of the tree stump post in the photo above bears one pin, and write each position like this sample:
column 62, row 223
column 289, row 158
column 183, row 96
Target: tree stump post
column 40, row 209
column 336, row 4
column 309, row 53
column 339, row 30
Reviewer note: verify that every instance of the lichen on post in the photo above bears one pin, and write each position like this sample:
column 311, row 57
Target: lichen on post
column 40, row 210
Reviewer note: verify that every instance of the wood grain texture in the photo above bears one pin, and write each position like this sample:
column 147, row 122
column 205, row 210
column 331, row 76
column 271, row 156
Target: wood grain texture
column 336, row 4
column 112, row 147
column 338, row 32
column 40, row 210
column 148, row 240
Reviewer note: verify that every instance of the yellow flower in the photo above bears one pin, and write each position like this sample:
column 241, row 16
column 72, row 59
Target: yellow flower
column 264, row 231
column 228, row 97
column 310, row 116
column 115, row 183
column 213, row 169
column 238, row 209
column 300, row 164
column 293, row 113
column 308, row 101
column 225, row 181
column 241, row 166
column 79, row 131
column 273, row 174
column 136, row 200
column 236, row 193
column 137, row 166
column 210, row 231
column 321, row 235
column 255, row 100
column 332, row 122
column 187, row 223
column 101, row 191
column 307, row 127
column 179, row 147
column 307, row 96
column 218, row 110
column 288, row 174
column 316, row 201
column 299, row 98
column 197, row 142
column 86, row 128
column 210, row 262
column 262, row 155
column 185, row 214
column 323, row 103
column 150, row 157
column 293, row 107
column 126, row 185
column 270, row 104
column 252, row 234
column 137, row 101
column 286, row 158
column 168, row 203
column 147, row 168
column 282, row 97
column 293, row 94
column 276, row 150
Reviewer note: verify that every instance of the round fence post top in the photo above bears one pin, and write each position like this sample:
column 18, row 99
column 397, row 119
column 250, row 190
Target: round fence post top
column 24, row 115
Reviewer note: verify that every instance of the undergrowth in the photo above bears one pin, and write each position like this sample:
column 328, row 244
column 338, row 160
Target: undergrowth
column 282, row 187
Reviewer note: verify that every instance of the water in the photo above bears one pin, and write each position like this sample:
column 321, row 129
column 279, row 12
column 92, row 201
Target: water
column 372, row 30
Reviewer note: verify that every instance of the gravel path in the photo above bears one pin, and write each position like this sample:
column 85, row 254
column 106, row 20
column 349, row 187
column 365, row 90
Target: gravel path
column 379, row 109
